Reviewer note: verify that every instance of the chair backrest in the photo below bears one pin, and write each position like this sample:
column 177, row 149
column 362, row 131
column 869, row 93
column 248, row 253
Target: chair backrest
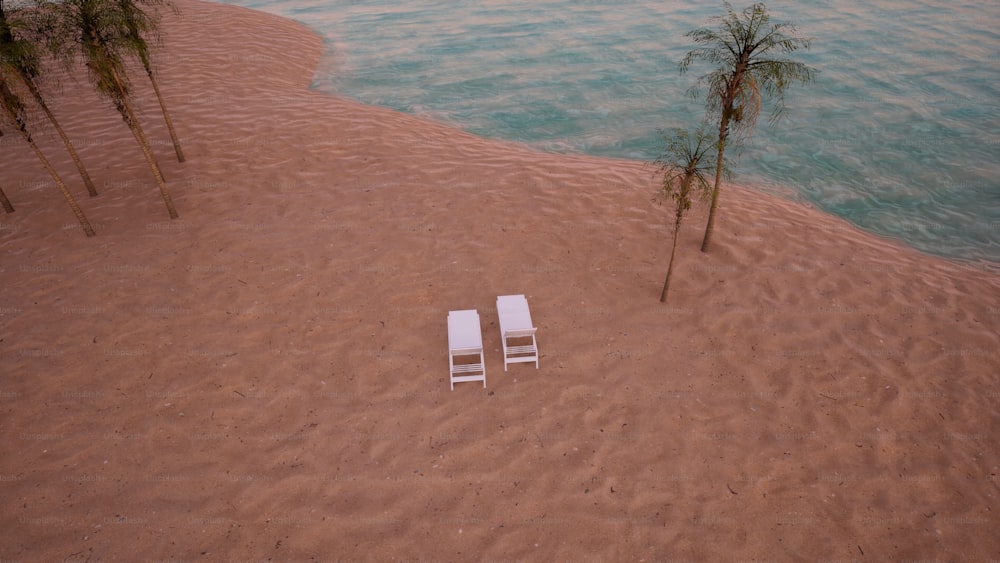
column 464, row 332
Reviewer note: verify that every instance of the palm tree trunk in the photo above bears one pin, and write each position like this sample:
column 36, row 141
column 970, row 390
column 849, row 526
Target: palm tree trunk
column 62, row 187
column 670, row 268
column 133, row 124
column 6, row 202
column 62, row 134
column 166, row 115
column 723, row 131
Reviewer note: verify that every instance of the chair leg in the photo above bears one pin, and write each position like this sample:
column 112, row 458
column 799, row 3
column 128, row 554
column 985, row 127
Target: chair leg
column 535, row 344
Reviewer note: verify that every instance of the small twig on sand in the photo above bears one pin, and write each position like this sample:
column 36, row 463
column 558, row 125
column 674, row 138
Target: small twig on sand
column 731, row 489
column 240, row 394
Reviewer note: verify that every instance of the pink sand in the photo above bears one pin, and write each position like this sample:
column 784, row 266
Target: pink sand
column 267, row 376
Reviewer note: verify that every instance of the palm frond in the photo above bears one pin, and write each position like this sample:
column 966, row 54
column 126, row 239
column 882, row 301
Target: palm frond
column 685, row 164
column 140, row 21
column 741, row 48
column 17, row 54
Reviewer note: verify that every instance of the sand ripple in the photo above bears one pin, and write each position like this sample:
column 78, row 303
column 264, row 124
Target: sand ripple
column 266, row 376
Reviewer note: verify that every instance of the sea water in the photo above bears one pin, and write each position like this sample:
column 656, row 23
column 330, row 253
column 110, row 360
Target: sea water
column 899, row 133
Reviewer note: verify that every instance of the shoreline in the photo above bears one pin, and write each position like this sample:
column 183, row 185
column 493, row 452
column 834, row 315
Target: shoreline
column 963, row 237
column 267, row 375
column 764, row 187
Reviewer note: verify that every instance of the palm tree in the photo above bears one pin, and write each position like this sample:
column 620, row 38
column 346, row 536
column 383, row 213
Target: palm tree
column 744, row 48
column 683, row 176
column 19, row 58
column 13, row 108
column 137, row 24
column 99, row 32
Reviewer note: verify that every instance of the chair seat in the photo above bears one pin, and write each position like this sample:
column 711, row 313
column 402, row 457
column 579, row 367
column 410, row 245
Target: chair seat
column 467, row 368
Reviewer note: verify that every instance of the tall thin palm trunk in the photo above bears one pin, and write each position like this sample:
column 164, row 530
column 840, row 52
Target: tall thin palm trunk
column 6, row 202
column 37, row 95
column 670, row 267
column 163, row 109
column 125, row 108
column 62, row 187
column 719, row 149
column 690, row 174
column 59, row 183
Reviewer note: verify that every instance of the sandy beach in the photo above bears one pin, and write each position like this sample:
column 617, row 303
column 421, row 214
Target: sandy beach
column 266, row 378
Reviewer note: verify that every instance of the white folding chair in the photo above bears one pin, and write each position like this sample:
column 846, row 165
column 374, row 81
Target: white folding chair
column 516, row 330
column 465, row 338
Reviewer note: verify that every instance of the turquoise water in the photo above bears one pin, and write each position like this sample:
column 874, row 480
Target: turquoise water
column 900, row 132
